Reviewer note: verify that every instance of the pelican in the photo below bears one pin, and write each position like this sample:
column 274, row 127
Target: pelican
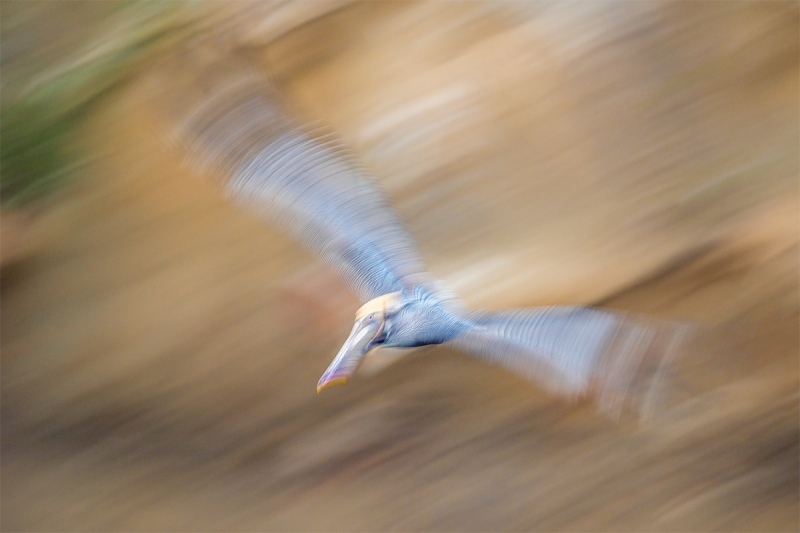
column 234, row 123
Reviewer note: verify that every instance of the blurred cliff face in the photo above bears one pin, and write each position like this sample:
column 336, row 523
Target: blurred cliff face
column 619, row 114
column 160, row 349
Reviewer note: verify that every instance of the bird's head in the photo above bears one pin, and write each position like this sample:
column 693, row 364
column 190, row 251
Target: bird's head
column 369, row 331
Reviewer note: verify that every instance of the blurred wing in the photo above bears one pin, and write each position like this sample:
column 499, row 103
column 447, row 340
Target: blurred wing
column 232, row 123
column 578, row 351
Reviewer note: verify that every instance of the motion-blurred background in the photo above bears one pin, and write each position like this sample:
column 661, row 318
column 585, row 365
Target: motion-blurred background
column 160, row 349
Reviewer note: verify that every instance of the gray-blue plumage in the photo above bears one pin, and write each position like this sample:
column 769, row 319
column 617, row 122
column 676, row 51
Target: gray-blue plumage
column 424, row 318
column 234, row 124
column 307, row 182
column 316, row 190
column 578, row 351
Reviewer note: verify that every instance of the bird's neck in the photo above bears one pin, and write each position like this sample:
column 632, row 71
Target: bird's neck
column 379, row 304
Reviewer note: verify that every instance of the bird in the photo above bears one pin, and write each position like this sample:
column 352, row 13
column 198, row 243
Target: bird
column 234, row 124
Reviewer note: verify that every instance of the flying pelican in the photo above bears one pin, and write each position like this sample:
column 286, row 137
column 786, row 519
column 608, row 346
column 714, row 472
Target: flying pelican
column 234, row 124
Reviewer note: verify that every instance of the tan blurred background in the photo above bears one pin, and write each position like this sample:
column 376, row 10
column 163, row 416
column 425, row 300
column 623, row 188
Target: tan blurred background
column 160, row 349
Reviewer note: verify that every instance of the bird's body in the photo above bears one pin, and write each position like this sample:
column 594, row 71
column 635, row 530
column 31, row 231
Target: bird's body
column 233, row 124
column 423, row 319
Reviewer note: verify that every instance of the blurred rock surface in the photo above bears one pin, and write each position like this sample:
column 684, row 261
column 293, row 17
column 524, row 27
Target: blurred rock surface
column 160, row 349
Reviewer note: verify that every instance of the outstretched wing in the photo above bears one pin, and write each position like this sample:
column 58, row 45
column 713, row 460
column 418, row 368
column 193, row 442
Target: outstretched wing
column 234, row 124
column 578, row 351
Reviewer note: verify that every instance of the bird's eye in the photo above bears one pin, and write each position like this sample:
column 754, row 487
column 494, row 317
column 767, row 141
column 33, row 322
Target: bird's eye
column 371, row 317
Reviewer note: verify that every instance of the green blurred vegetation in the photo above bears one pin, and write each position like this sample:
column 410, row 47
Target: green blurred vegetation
column 32, row 151
column 52, row 89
